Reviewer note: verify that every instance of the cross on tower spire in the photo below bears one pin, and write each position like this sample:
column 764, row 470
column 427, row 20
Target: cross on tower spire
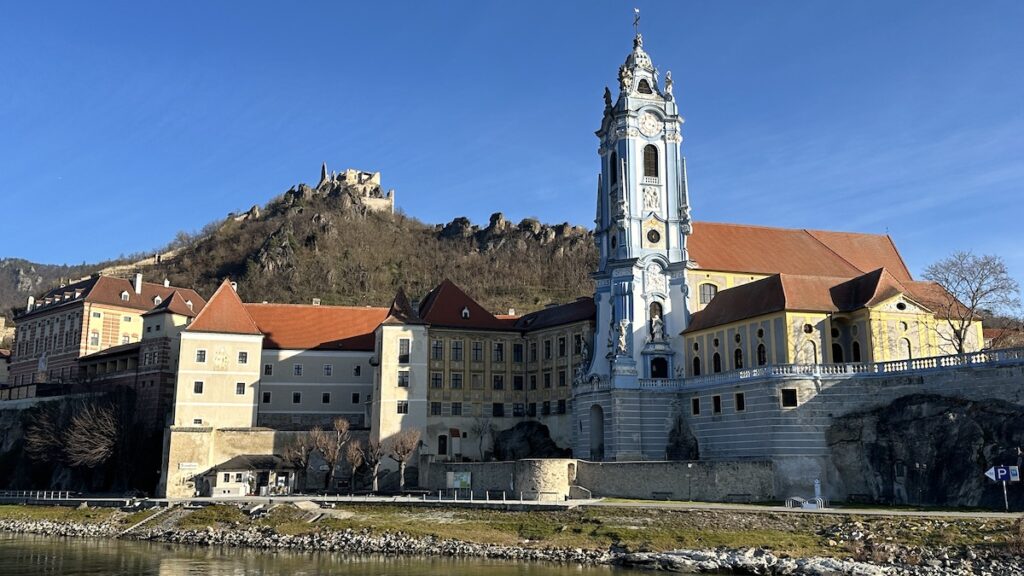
column 636, row 21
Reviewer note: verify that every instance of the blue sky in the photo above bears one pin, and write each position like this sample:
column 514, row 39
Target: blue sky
column 124, row 122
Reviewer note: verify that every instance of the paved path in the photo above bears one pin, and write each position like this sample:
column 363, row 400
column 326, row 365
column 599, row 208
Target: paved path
column 844, row 510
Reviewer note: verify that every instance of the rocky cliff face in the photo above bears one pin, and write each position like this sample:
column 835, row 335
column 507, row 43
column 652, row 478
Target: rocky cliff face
column 929, row 450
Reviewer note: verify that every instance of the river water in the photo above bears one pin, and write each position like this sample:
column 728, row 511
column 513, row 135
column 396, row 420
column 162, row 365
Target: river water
column 24, row 555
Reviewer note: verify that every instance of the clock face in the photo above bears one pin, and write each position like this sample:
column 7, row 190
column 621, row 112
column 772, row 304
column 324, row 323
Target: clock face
column 649, row 124
column 653, row 236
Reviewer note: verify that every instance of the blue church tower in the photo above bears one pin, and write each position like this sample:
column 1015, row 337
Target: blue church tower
column 643, row 220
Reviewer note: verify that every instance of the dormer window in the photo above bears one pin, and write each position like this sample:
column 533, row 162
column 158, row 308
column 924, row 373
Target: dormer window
column 157, row 300
column 189, row 304
column 644, row 87
column 465, row 313
column 124, row 296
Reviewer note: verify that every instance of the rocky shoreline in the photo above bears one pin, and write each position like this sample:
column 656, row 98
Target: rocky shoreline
column 888, row 560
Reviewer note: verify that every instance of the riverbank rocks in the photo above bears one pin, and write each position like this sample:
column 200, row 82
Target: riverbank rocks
column 49, row 528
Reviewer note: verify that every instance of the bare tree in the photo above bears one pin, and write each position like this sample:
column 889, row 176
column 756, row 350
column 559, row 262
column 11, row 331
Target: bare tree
column 298, row 453
column 482, row 427
column 330, row 444
column 372, row 455
column 92, row 436
column 354, row 457
column 44, row 437
column 976, row 285
column 400, row 448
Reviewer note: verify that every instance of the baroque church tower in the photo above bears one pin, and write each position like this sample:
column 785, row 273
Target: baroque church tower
column 643, row 220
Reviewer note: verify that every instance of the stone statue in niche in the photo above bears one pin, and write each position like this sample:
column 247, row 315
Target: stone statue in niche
column 657, row 329
column 622, row 346
column 652, row 200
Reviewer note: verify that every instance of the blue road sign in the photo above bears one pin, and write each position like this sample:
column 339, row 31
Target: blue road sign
column 1003, row 473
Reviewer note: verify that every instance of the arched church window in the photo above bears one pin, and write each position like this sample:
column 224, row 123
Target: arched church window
column 696, row 366
column 707, row 293
column 644, row 87
column 613, row 167
column 762, row 355
column 716, row 363
column 651, row 161
column 737, row 359
column 837, row 353
column 659, row 368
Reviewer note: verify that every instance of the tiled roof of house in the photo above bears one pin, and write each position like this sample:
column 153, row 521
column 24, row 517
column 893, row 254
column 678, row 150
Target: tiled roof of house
column 253, row 462
column 305, row 327
column 445, row 304
column 225, row 314
column 581, row 309
column 764, row 250
column 108, row 290
column 812, row 294
column 177, row 304
column 401, row 311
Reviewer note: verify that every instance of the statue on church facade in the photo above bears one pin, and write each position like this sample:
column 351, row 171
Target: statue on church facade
column 625, row 78
column 668, row 85
column 622, row 347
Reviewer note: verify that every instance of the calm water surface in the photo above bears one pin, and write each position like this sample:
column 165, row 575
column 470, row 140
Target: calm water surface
column 23, row 555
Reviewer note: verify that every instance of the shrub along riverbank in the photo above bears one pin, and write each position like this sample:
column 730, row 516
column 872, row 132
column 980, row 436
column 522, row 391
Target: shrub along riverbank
column 749, row 542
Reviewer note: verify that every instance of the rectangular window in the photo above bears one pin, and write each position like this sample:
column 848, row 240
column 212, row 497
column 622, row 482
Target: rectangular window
column 266, row 397
column 561, row 378
column 403, row 351
column 695, row 406
column 268, row 369
column 355, row 397
column 328, row 370
column 577, row 344
column 547, row 349
column 517, row 382
column 561, row 347
column 197, row 387
column 94, row 339
column 477, row 381
column 545, row 408
column 456, row 408
column 498, row 410
column 477, row 352
column 437, row 350
column 518, row 409
column 531, row 409
column 325, row 398
column 436, row 380
column 297, row 369
column 547, row 380
column 533, row 351
column 561, row 406
column 499, row 382
column 456, row 381
column 227, row 477
column 201, row 356
column 435, row 408
column 296, row 397
column 238, row 476
column 97, row 315
column 126, row 318
column 517, row 352
column 125, row 339
column 716, row 404
column 533, row 381
column 741, row 402
column 357, row 370
column 243, row 357
column 403, row 379
column 498, row 352
column 240, row 388
column 403, row 407
column 456, row 350
column 789, row 398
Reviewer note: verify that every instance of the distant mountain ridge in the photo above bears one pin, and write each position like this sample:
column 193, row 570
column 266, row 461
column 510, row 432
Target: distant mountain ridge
column 329, row 243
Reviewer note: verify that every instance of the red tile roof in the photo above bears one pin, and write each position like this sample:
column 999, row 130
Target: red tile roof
column 177, row 304
column 224, row 314
column 304, row 327
column 764, row 250
column 401, row 311
column 581, row 309
column 444, row 304
column 813, row 294
column 107, row 290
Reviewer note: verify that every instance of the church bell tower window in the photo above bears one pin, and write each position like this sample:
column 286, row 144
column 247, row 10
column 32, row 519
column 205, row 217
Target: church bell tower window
column 651, row 161
column 644, row 87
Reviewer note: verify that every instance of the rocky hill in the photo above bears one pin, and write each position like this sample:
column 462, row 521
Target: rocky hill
column 20, row 279
column 327, row 242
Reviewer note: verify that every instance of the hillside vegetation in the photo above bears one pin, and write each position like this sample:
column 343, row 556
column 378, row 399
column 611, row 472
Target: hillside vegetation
column 325, row 243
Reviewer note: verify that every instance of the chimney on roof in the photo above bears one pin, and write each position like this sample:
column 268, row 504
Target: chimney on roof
column 166, row 282
column 316, row 301
column 234, row 286
column 138, row 283
column 511, row 311
column 31, row 304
